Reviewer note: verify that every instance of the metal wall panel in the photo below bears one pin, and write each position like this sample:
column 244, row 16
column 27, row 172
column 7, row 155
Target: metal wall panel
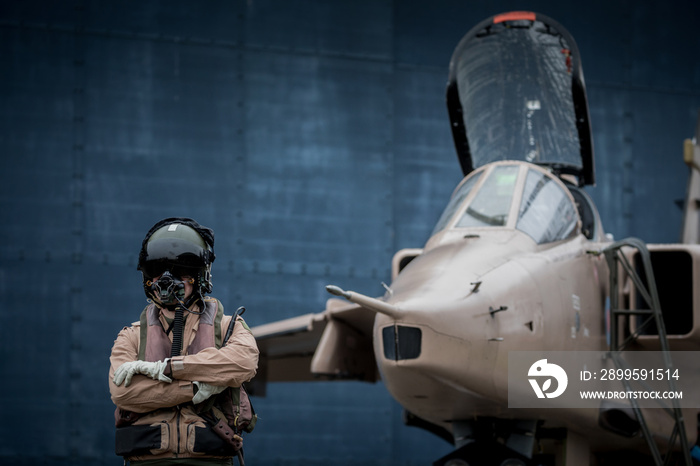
column 326, row 170
column 313, row 137
column 664, row 46
column 424, row 155
column 160, row 118
column 643, row 96
column 659, row 137
column 38, row 151
column 35, row 357
column 361, row 29
column 612, row 127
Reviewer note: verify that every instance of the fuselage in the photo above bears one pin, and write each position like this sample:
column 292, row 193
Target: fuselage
column 475, row 294
column 545, row 299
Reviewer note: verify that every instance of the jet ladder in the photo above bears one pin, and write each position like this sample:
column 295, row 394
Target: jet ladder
column 615, row 257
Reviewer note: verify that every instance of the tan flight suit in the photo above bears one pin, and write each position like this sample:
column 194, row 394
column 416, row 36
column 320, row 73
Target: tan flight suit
column 167, row 420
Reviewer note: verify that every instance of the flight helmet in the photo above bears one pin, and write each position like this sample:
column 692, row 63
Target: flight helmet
column 173, row 248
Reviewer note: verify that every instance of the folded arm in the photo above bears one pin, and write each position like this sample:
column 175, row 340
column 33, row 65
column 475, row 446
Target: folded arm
column 143, row 394
column 232, row 365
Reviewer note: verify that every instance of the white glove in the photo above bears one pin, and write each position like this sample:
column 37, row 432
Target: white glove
column 154, row 370
column 205, row 390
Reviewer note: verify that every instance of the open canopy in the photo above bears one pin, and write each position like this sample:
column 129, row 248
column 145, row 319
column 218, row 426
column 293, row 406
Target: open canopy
column 516, row 92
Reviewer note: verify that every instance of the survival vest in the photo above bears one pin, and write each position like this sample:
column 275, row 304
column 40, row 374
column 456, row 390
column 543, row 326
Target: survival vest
column 228, row 413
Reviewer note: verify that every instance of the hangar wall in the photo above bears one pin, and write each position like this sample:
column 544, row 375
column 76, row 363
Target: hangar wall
column 313, row 138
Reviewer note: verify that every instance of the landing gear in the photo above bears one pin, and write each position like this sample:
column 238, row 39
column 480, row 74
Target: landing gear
column 483, row 454
column 509, row 462
column 491, row 442
column 502, row 442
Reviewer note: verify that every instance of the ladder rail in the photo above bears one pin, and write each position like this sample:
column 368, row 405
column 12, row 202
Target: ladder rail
column 614, row 257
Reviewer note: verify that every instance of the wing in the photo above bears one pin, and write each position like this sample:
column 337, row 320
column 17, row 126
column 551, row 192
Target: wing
column 333, row 344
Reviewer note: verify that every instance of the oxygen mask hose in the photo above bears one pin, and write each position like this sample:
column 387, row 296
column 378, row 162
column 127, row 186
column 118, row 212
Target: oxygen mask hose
column 169, row 291
column 177, row 332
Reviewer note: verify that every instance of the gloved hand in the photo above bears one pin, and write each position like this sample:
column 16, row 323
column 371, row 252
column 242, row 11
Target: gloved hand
column 154, row 370
column 205, row 390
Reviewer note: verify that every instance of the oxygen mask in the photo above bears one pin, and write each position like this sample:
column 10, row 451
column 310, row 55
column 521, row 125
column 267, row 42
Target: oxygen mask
column 169, row 290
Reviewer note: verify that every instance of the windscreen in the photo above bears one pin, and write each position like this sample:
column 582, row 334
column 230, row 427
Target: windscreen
column 491, row 204
column 455, row 202
column 546, row 213
column 515, row 89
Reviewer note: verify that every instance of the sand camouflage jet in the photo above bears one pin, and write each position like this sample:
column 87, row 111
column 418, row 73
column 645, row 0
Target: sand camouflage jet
column 518, row 261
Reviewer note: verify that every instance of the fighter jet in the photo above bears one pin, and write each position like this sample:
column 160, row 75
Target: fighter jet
column 518, row 261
